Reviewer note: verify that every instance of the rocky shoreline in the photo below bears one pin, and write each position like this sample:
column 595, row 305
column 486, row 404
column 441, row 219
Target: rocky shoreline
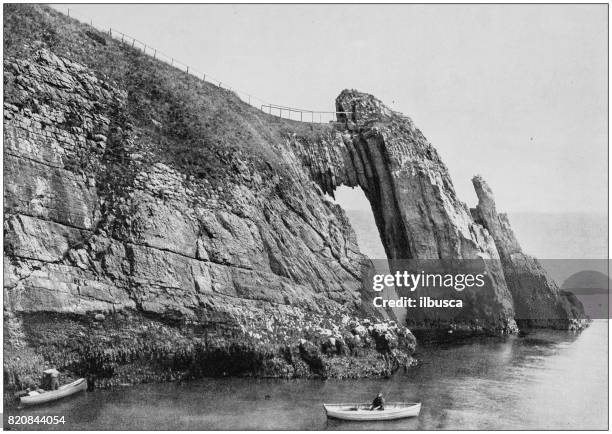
column 121, row 349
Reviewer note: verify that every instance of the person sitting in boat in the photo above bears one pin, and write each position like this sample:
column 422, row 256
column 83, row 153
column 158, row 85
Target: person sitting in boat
column 50, row 379
column 378, row 403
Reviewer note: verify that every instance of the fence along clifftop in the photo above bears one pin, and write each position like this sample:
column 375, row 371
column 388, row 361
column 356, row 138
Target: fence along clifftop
column 285, row 112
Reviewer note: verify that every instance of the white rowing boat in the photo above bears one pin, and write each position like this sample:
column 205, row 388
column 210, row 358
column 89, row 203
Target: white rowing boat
column 66, row 390
column 392, row 411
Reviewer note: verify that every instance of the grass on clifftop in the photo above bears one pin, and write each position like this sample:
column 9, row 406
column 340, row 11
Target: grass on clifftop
column 200, row 123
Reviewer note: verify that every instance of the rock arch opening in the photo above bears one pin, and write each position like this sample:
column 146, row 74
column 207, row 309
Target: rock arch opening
column 359, row 211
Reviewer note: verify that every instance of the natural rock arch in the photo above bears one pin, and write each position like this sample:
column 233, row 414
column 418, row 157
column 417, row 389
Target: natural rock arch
column 418, row 214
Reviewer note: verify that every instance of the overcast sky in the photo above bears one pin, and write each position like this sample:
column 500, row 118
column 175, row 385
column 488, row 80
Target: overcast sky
column 517, row 93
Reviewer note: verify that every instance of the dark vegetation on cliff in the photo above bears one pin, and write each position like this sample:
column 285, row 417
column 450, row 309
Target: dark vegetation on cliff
column 200, row 125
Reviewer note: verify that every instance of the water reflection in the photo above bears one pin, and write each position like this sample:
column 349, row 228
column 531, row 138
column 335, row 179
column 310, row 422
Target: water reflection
column 545, row 380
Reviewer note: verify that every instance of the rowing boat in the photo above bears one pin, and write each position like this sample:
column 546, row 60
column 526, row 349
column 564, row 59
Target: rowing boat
column 362, row 412
column 34, row 397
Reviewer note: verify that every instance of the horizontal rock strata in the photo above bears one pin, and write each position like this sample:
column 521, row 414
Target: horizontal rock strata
column 242, row 263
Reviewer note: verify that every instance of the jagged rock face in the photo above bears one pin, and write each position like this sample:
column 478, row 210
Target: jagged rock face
column 74, row 209
column 537, row 299
column 410, row 189
column 420, row 217
column 412, row 196
column 95, row 223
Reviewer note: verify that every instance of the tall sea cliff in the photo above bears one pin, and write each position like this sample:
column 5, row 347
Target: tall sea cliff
column 157, row 227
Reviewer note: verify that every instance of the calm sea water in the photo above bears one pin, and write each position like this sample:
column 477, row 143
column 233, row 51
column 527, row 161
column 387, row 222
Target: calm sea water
column 547, row 380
